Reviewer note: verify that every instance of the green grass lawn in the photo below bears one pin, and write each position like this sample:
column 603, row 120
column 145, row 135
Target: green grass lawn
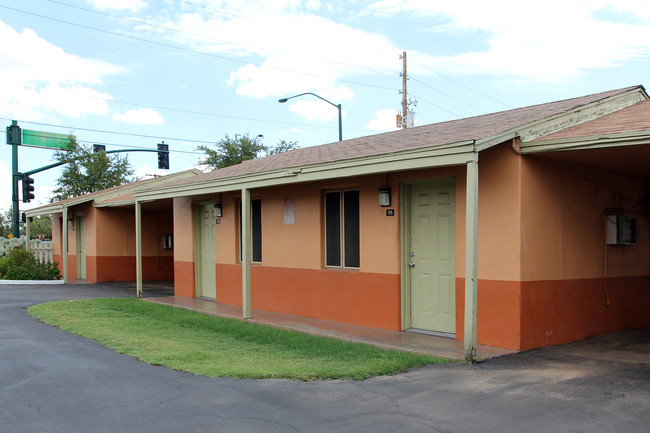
column 214, row 346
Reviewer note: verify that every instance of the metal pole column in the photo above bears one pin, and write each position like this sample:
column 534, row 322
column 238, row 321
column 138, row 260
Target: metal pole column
column 471, row 259
column 65, row 245
column 246, row 252
column 138, row 248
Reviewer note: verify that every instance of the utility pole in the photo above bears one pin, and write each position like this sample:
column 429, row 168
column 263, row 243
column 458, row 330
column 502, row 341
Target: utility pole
column 14, row 139
column 404, row 98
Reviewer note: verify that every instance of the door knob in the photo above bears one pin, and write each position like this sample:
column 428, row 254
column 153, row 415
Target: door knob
column 411, row 264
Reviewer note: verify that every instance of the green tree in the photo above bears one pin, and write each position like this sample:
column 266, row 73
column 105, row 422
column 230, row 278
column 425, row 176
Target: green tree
column 231, row 151
column 6, row 224
column 40, row 226
column 88, row 171
column 282, row 146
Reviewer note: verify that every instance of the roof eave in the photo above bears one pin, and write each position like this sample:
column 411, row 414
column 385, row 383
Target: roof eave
column 601, row 141
column 558, row 122
column 434, row 156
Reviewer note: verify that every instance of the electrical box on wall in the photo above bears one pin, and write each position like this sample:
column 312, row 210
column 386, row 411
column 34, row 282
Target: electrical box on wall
column 168, row 242
column 621, row 230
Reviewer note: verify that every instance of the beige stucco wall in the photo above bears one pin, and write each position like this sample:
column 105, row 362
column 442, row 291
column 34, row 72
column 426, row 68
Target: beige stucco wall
column 563, row 223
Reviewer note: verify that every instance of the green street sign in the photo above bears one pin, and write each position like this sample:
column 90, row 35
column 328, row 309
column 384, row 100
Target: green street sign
column 45, row 139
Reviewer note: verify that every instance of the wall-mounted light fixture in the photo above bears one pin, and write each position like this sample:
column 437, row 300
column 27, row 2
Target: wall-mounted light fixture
column 70, row 222
column 217, row 210
column 384, row 197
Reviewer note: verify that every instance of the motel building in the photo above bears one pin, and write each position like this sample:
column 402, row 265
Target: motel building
column 518, row 229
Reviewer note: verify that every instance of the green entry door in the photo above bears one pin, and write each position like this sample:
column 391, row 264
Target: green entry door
column 432, row 255
column 208, row 284
column 80, row 240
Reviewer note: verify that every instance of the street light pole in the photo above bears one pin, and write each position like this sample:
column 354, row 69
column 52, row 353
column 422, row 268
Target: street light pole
column 338, row 106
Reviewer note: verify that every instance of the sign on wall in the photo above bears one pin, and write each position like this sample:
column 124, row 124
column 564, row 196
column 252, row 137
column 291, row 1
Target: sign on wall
column 289, row 211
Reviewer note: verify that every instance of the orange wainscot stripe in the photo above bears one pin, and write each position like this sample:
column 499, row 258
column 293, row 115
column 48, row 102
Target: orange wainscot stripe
column 556, row 312
column 498, row 318
column 366, row 299
column 123, row 268
column 184, row 279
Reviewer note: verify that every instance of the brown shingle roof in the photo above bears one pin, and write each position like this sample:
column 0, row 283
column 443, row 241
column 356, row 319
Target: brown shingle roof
column 126, row 190
column 472, row 128
column 630, row 119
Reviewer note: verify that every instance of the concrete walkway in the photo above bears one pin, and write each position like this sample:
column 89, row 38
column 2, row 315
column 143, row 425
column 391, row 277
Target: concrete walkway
column 405, row 341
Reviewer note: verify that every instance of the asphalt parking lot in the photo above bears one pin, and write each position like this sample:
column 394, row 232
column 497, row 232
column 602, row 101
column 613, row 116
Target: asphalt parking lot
column 51, row 381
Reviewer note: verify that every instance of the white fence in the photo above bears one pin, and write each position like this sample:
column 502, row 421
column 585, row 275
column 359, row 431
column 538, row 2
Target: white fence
column 43, row 250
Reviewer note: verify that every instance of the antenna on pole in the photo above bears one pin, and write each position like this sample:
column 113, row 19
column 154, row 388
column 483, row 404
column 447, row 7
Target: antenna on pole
column 407, row 118
column 404, row 98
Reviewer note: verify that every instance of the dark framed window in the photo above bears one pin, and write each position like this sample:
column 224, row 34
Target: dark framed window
column 256, row 230
column 342, row 229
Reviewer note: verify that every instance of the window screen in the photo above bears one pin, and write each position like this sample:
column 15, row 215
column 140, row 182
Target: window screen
column 333, row 228
column 256, row 230
column 351, row 228
column 342, row 229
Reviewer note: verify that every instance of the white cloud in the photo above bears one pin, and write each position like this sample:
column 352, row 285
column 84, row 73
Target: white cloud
column 132, row 5
column 540, row 41
column 5, row 187
column 383, row 120
column 33, row 92
column 298, row 51
column 142, row 116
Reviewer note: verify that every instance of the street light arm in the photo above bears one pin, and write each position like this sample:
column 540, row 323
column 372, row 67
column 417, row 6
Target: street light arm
column 283, row 100
column 338, row 106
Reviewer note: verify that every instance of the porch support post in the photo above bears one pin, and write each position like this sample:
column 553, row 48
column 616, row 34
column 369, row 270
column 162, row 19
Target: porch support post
column 28, row 245
column 471, row 258
column 64, row 245
column 138, row 248
column 245, row 252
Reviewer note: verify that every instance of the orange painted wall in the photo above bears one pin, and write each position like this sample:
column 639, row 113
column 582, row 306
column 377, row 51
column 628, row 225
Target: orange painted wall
column 575, row 286
column 72, row 265
column 110, row 244
column 561, row 311
column 541, row 253
column 123, row 268
column 365, row 299
column 498, row 313
column 184, row 279
column 499, row 260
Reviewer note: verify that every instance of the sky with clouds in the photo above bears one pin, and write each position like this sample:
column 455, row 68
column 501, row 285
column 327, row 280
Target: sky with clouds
column 131, row 73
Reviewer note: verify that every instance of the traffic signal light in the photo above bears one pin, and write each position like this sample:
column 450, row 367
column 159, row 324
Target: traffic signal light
column 28, row 188
column 99, row 148
column 163, row 156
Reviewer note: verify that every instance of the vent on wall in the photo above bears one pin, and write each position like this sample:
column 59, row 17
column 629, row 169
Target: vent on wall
column 621, row 230
column 168, row 242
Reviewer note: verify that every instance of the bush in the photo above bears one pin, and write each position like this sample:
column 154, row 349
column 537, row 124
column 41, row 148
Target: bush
column 20, row 264
column 7, row 244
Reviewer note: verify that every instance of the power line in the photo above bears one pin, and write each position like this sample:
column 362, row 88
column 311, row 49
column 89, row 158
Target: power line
column 180, row 110
column 461, row 84
column 171, row 29
column 113, row 132
column 437, row 106
column 163, row 44
column 138, row 147
column 448, row 95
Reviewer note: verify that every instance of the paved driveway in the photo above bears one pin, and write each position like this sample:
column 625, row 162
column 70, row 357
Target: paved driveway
column 51, row 381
